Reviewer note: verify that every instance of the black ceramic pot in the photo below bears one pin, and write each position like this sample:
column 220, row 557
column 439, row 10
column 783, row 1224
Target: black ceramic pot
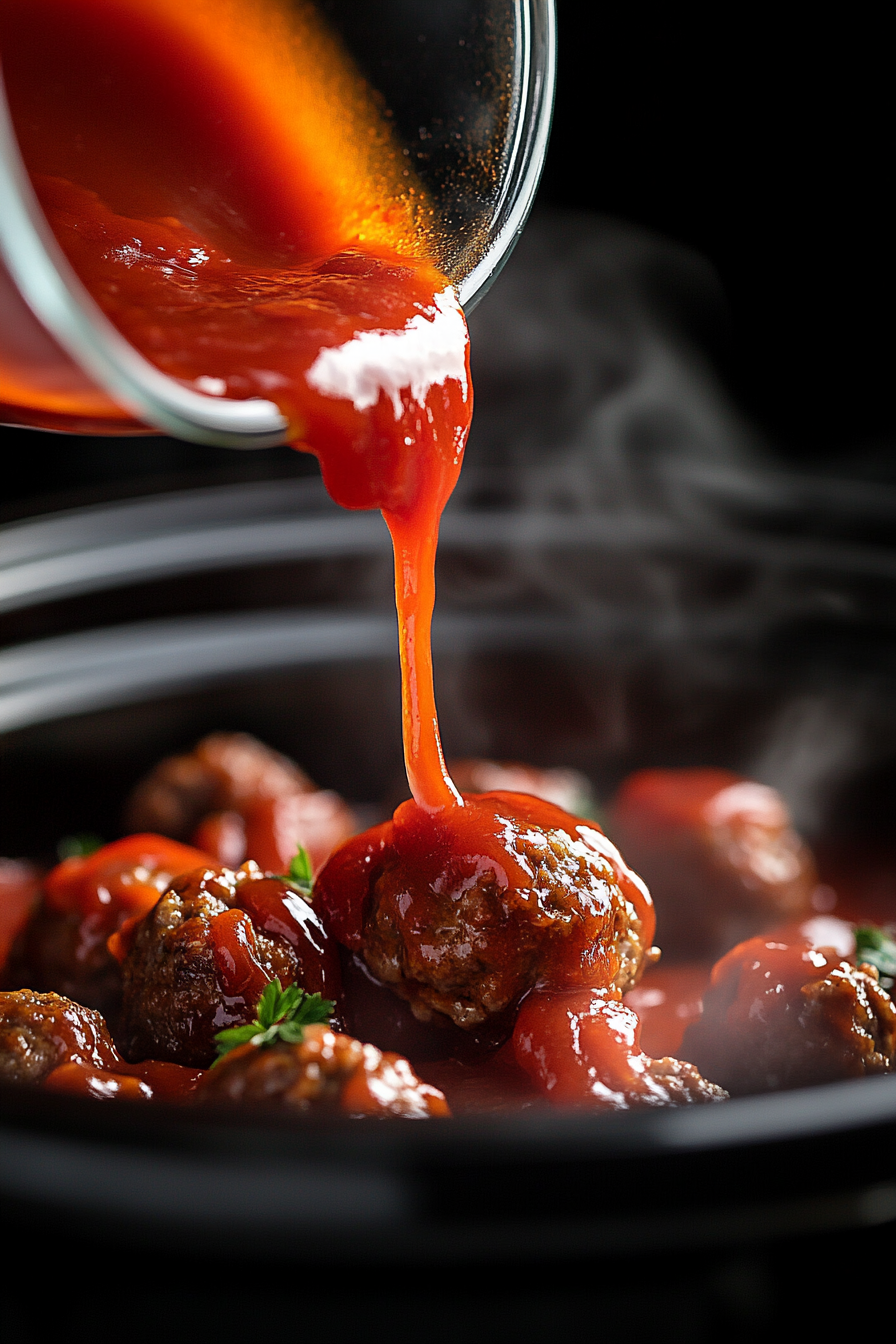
column 752, row 629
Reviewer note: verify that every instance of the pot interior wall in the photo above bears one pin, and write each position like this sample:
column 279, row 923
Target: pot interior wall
column 778, row 709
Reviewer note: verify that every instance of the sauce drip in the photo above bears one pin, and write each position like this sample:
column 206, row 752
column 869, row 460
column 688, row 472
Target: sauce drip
column 225, row 185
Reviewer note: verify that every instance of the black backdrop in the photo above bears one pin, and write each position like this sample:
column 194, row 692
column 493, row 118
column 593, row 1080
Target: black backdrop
column 761, row 137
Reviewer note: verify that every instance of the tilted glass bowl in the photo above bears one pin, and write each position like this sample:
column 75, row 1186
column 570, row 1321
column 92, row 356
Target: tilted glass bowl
column 469, row 89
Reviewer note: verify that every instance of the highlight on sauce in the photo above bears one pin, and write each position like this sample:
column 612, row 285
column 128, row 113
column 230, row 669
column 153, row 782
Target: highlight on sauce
column 483, row 948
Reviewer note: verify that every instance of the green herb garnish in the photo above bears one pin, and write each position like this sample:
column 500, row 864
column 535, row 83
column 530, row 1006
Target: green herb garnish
column 79, row 846
column 300, row 876
column 875, row 945
column 282, row 1015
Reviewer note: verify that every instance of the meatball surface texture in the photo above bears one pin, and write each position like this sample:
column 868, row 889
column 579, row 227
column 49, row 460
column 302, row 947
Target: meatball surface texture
column 461, row 913
column 326, row 1071
column 199, row 961
column 780, row 1015
column 39, row 1032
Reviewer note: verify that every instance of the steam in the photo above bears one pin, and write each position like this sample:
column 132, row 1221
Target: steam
column 588, row 385
column 645, row 507
column 813, row 746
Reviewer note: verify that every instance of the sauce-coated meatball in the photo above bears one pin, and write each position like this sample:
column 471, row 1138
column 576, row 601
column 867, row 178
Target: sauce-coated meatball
column 326, row 1071
column 47, row 1040
column 462, row 912
column 39, row 1032
column 236, row 798
column 782, row 1014
column 223, row 771
column 199, row 961
column 85, row 899
column 719, row 854
column 568, row 789
column 583, row 1049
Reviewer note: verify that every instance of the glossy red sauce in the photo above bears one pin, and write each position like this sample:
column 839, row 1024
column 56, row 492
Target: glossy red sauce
column 114, row 887
column 261, row 903
column 121, row 879
column 151, row 1080
column 667, row 1000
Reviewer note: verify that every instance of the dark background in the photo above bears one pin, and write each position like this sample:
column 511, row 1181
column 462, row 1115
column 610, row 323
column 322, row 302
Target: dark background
column 760, row 138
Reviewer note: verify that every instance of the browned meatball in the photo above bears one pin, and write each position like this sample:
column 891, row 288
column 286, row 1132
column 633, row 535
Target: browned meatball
column 69, row 953
column 326, row 1071
column 85, row 900
column 235, row 799
column 199, row 961
column 719, row 854
column 483, row 949
column 223, row 772
column 39, row 1032
column 461, row 913
column 780, row 1015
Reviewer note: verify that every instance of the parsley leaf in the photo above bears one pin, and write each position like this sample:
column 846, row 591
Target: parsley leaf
column 300, row 876
column 79, row 846
column 875, row 945
column 281, row 1015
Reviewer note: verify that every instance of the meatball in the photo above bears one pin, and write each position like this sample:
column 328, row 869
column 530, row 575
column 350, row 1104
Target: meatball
column 788, row 1014
column 326, row 1071
column 63, row 947
column 462, row 912
column 225, row 771
column 583, row 1049
column 719, row 854
column 199, row 961
column 67, row 953
column 236, row 798
column 40, row 1032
